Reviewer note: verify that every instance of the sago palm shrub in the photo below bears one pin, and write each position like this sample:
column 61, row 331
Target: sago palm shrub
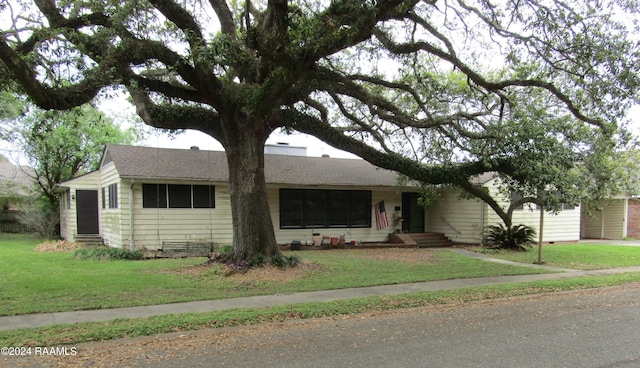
column 517, row 237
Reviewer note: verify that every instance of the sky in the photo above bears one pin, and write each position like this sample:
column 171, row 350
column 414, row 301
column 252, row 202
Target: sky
column 315, row 147
column 122, row 111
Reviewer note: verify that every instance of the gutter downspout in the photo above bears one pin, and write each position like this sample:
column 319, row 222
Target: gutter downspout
column 131, row 243
column 625, row 219
column 482, row 209
column 602, row 223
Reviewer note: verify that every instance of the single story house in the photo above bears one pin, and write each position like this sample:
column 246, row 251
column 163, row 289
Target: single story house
column 142, row 196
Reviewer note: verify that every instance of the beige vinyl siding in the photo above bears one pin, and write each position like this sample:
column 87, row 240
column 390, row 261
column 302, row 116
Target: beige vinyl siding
column 391, row 197
column 459, row 219
column 152, row 226
column 561, row 227
column 68, row 219
column 68, row 222
column 609, row 223
column 112, row 219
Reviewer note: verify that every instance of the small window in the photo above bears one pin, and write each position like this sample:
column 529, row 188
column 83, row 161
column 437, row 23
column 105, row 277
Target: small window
column 67, row 198
column 104, row 197
column 113, row 196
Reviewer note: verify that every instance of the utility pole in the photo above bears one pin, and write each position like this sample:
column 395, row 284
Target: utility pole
column 539, row 261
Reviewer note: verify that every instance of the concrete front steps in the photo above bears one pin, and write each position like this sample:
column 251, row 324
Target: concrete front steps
column 89, row 240
column 420, row 240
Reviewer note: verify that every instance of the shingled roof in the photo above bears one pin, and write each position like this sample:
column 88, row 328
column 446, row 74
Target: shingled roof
column 192, row 164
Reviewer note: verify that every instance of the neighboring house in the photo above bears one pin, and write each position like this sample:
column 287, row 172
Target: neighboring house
column 617, row 218
column 15, row 180
column 15, row 186
column 183, row 195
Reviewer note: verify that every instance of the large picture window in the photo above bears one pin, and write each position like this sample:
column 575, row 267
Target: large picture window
column 203, row 196
column 178, row 196
column 154, row 195
column 315, row 208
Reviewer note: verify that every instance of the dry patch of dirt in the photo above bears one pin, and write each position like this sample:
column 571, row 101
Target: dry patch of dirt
column 257, row 274
column 406, row 255
column 57, row 246
column 191, row 270
column 271, row 273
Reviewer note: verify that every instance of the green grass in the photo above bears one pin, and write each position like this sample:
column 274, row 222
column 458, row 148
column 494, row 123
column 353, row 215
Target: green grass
column 34, row 282
column 576, row 256
column 97, row 331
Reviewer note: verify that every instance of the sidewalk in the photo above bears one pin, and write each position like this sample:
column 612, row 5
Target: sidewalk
column 100, row 315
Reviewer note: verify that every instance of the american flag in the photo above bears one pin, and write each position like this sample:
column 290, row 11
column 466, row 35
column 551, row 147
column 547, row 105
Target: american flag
column 381, row 216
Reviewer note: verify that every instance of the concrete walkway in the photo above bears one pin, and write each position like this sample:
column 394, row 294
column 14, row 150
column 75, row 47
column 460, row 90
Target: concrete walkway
column 100, row 315
column 628, row 243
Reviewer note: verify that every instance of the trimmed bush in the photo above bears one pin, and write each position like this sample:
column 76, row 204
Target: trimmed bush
column 107, row 253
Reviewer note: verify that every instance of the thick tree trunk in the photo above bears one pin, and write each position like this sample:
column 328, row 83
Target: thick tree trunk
column 253, row 232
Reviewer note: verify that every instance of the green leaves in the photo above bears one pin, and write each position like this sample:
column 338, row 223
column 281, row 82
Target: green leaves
column 60, row 145
column 10, row 107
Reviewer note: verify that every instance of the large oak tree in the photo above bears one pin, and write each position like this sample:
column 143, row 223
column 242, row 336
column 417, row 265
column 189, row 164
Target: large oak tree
column 439, row 91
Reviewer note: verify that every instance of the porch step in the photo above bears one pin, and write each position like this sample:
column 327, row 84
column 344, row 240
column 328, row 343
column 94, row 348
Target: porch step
column 421, row 240
column 89, row 240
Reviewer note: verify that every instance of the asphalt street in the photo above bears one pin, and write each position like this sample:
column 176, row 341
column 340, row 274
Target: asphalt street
column 593, row 328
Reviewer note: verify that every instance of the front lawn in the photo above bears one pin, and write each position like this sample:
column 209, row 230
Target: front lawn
column 35, row 282
column 575, row 256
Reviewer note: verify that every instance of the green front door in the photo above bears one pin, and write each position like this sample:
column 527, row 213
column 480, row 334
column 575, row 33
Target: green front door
column 412, row 214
